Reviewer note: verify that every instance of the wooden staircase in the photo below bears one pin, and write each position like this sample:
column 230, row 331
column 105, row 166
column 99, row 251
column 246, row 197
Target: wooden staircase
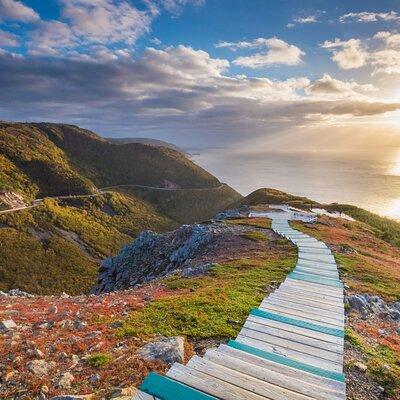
column 290, row 348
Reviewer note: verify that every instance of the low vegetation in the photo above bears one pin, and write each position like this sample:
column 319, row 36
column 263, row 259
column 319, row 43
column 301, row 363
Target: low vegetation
column 57, row 246
column 215, row 305
column 384, row 228
column 99, row 359
column 383, row 363
column 255, row 236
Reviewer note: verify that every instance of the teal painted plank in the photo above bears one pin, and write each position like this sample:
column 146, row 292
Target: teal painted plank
column 315, row 279
column 164, row 388
column 295, row 322
column 286, row 361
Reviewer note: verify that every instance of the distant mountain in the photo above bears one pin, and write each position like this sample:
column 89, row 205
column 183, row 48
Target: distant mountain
column 56, row 245
column 152, row 142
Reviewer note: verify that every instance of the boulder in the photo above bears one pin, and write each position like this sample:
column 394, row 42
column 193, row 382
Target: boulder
column 65, row 381
column 40, row 368
column 166, row 349
column 7, row 325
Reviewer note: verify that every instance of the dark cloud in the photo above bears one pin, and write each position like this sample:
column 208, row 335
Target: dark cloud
column 176, row 91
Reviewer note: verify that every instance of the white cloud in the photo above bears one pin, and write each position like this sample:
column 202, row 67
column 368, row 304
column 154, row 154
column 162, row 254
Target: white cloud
column 8, row 39
column 387, row 58
column 348, row 54
column 276, row 51
column 105, row 21
column 309, row 19
column 370, row 17
column 328, row 86
column 50, row 37
column 17, row 11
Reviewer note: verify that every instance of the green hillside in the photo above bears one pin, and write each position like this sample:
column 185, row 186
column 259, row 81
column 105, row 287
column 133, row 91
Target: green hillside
column 57, row 246
column 273, row 196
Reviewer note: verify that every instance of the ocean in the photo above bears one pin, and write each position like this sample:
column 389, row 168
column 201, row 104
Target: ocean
column 372, row 183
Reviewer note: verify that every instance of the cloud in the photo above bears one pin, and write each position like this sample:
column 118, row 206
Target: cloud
column 50, row 37
column 276, row 51
column 387, row 58
column 370, row 17
column 85, row 27
column 8, row 39
column 381, row 52
column 333, row 87
column 105, row 21
column 176, row 89
column 17, row 11
column 348, row 54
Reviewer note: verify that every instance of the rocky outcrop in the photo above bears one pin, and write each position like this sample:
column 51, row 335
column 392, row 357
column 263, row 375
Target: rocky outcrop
column 241, row 212
column 15, row 293
column 11, row 199
column 153, row 256
column 366, row 305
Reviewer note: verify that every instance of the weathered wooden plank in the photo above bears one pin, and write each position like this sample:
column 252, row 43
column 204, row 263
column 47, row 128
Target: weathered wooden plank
column 291, row 288
column 246, row 382
column 291, row 344
column 287, row 361
column 296, row 329
column 304, row 307
column 297, row 322
column 302, row 316
column 139, row 395
column 208, row 384
column 310, row 278
column 327, row 290
column 292, row 354
column 328, row 294
column 277, row 374
column 302, row 300
column 294, row 336
column 323, row 272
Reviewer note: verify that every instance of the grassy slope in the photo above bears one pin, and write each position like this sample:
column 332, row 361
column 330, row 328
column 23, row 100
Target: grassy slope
column 39, row 160
column 190, row 205
column 57, row 246
column 215, row 305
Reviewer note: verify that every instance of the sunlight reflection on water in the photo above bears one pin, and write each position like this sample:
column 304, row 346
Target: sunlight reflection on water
column 373, row 184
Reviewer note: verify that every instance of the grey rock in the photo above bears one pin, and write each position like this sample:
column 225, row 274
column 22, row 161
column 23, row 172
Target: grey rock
column 152, row 256
column 80, row 325
column 167, row 349
column 196, row 270
column 7, row 325
column 95, row 378
column 15, row 293
column 40, row 368
column 65, row 380
column 232, row 213
column 395, row 314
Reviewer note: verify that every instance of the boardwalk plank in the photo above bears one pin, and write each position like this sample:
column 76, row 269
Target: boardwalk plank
column 295, row 380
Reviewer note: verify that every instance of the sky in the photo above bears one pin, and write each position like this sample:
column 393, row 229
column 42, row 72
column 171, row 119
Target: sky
column 252, row 74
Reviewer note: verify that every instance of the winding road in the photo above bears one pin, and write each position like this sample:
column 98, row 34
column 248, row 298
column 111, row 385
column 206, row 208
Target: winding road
column 103, row 191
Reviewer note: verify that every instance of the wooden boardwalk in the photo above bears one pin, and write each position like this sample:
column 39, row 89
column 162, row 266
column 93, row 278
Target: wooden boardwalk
column 290, row 348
